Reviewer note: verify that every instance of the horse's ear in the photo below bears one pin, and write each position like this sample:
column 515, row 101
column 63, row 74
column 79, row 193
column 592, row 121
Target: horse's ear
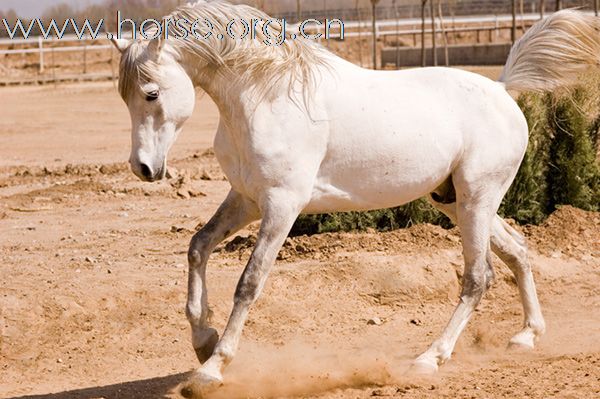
column 156, row 46
column 120, row 44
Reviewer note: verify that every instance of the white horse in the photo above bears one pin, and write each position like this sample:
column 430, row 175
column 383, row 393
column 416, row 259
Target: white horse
column 304, row 131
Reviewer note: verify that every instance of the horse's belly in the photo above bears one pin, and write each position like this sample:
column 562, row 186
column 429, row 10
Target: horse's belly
column 330, row 198
column 387, row 179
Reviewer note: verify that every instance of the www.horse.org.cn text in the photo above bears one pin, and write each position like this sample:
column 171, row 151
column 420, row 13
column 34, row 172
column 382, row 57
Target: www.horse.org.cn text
column 269, row 31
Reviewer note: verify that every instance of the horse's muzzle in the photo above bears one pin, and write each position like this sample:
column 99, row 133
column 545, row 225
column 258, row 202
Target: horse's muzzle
column 147, row 174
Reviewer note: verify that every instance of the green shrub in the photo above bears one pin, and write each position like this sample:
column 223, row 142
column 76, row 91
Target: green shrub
column 416, row 212
column 527, row 199
column 573, row 176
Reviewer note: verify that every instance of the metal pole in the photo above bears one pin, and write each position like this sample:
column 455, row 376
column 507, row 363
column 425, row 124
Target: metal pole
column 433, row 32
column 558, row 5
column 522, row 12
column 596, row 6
column 423, row 50
column 326, row 11
column 542, row 8
column 444, row 35
column 513, row 32
column 397, row 17
column 374, row 21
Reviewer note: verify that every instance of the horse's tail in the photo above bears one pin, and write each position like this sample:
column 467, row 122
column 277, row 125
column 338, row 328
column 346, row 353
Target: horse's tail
column 553, row 53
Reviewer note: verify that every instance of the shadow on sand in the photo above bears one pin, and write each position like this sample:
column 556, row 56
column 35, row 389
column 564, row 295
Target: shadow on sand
column 154, row 388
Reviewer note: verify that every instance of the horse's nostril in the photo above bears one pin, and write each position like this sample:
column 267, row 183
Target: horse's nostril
column 146, row 172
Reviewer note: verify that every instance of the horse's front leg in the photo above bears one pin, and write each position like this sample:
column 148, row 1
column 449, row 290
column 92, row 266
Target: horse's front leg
column 279, row 215
column 235, row 213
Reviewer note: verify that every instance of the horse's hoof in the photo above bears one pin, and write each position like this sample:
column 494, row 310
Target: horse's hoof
column 424, row 366
column 200, row 385
column 190, row 392
column 524, row 340
column 208, row 343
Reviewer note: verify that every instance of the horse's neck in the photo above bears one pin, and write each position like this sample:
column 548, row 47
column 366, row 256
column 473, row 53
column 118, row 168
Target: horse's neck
column 236, row 101
column 225, row 91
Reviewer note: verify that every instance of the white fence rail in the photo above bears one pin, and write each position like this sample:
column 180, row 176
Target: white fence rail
column 56, row 49
column 36, row 39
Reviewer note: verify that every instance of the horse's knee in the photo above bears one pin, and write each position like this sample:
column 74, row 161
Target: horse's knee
column 198, row 249
column 246, row 292
column 248, row 288
column 477, row 280
column 195, row 314
column 196, row 309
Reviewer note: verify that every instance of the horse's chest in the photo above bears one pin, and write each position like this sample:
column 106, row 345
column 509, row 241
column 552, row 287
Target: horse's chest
column 231, row 164
column 235, row 165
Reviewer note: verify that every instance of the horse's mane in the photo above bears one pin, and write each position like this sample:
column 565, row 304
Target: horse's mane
column 261, row 66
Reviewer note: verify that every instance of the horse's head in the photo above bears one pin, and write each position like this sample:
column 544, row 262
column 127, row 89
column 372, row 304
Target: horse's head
column 160, row 97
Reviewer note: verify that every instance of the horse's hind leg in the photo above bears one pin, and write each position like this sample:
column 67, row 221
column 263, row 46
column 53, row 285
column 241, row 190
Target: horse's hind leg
column 235, row 213
column 474, row 217
column 510, row 246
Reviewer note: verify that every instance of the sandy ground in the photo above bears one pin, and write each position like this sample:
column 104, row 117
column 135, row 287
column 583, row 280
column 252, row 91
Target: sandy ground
column 93, row 281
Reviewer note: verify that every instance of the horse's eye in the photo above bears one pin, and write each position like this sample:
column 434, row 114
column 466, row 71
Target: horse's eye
column 152, row 96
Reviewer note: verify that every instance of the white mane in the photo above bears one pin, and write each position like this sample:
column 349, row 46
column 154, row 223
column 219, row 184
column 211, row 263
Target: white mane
column 253, row 62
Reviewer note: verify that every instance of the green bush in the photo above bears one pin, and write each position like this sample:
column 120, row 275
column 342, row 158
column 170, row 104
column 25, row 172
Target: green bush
column 416, row 212
column 527, row 199
column 573, row 176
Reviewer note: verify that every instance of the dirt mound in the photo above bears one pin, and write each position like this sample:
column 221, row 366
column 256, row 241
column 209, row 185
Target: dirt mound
column 57, row 193
column 568, row 231
column 328, row 245
column 68, row 170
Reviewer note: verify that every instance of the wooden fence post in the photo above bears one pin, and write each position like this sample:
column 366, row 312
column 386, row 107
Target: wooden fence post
column 522, row 12
column 41, row 48
column 513, row 32
column 497, row 27
column 112, row 66
column 360, row 38
column 54, row 69
column 374, row 21
column 397, row 18
column 84, row 58
column 444, row 35
column 299, row 10
column 433, row 32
